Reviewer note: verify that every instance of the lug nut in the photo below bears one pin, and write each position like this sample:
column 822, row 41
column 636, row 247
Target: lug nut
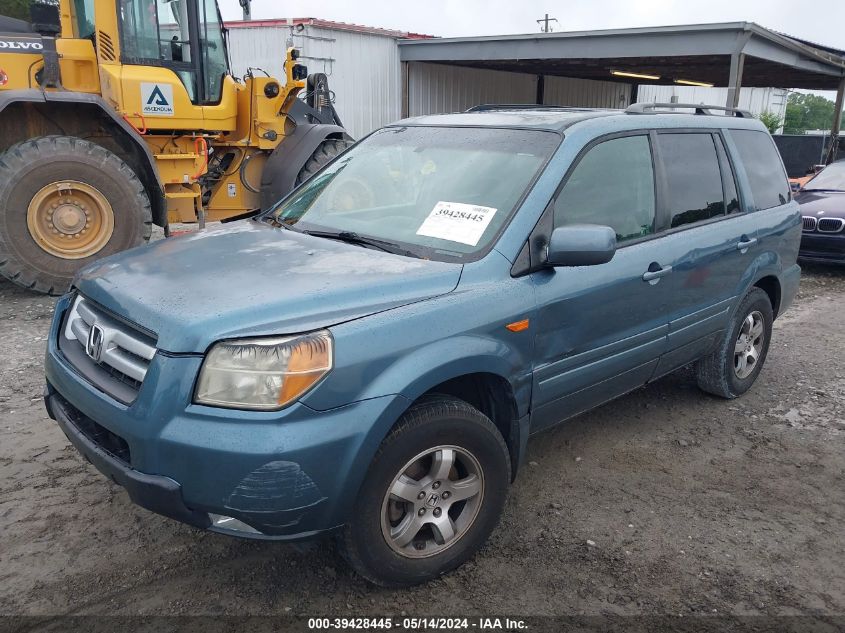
column 421, row 495
column 421, row 511
column 435, row 485
column 446, row 494
column 437, row 512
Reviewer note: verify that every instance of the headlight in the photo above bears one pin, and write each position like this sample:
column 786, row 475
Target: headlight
column 263, row 373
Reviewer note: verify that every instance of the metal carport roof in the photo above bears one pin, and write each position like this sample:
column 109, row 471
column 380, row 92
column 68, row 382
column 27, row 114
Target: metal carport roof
column 732, row 54
column 701, row 52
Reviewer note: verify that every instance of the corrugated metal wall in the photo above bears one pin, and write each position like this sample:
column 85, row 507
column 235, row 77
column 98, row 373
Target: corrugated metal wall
column 363, row 69
column 585, row 93
column 756, row 100
column 438, row 88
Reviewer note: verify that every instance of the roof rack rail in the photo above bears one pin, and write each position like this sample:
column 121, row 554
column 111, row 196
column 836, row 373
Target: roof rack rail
column 700, row 109
column 487, row 107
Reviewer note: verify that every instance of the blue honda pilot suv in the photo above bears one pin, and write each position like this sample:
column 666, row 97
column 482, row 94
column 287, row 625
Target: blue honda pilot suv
column 370, row 356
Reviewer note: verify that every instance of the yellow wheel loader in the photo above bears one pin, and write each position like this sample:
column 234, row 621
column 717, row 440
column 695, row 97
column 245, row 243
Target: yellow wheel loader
column 119, row 114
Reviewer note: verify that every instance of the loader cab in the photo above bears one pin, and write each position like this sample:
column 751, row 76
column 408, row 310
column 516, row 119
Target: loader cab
column 173, row 67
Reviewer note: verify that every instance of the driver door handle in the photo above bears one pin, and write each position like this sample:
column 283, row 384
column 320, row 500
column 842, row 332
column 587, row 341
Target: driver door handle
column 654, row 275
column 745, row 244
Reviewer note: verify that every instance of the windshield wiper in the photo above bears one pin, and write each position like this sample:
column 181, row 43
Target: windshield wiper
column 350, row 237
column 824, row 189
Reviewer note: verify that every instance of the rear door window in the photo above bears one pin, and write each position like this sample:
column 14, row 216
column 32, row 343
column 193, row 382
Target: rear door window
column 693, row 179
column 612, row 185
column 763, row 166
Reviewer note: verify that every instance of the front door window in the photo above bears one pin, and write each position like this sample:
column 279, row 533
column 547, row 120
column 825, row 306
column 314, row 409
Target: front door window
column 612, row 185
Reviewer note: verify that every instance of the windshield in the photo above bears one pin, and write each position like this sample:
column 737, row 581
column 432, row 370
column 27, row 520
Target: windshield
column 831, row 178
column 439, row 193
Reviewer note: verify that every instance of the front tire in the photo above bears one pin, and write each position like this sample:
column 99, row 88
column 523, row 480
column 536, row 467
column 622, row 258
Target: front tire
column 433, row 494
column 64, row 203
column 734, row 366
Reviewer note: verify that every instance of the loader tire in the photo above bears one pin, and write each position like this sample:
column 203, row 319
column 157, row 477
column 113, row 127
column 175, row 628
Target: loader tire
column 325, row 152
column 64, row 203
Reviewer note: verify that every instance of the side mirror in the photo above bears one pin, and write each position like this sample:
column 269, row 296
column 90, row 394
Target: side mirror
column 581, row 245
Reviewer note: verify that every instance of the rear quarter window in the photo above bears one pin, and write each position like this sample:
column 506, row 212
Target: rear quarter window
column 764, row 168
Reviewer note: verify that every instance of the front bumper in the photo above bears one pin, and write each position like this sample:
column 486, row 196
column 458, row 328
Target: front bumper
column 153, row 492
column 822, row 248
column 285, row 475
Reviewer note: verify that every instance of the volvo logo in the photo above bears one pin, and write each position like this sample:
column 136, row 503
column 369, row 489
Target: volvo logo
column 94, row 345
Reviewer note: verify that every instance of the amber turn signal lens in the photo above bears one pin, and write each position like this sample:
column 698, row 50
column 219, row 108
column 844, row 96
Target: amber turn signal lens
column 518, row 326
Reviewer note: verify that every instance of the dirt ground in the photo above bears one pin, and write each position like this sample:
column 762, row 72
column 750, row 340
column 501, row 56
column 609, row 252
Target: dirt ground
column 665, row 501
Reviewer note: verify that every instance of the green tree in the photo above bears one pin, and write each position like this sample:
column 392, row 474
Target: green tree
column 771, row 120
column 15, row 9
column 807, row 112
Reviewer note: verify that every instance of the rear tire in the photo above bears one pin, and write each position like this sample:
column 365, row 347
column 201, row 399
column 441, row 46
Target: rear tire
column 325, row 152
column 734, row 366
column 433, row 494
column 64, row 203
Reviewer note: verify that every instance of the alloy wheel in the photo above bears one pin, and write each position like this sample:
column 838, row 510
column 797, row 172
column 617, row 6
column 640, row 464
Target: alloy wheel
column 432, row 502
column 749, row 344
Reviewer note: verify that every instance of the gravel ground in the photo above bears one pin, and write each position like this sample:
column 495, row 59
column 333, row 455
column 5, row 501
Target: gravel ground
column 665, row 501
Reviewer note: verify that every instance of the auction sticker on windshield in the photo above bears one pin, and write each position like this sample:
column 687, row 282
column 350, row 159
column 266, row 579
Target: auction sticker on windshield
column 457, row 222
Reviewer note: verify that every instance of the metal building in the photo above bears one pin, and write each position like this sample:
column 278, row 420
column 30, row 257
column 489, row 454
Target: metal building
column 733, row 55
column 381, row 75
column 364, row 70
column 362, row 63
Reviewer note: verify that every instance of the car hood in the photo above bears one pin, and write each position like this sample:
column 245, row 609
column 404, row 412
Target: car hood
column 830, row 204
column 250, row 279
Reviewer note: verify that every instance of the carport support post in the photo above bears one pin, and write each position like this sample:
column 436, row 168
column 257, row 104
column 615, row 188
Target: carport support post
column 837, row 123
column 735, row 82
column 406, row 95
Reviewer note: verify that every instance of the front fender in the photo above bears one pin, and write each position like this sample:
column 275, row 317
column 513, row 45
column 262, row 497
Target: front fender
column 412, row 373
column 452, row 358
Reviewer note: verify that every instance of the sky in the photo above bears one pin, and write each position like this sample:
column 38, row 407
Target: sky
column 821, row 21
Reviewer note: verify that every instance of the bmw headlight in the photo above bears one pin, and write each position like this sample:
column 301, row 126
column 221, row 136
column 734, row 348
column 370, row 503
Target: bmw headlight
column 263, row 373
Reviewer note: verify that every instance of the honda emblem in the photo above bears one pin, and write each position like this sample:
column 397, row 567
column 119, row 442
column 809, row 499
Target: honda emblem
column 94, row 346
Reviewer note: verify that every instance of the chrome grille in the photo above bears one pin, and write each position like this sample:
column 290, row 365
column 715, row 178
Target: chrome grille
column 108, row 342
column 809, row 223
column 830, row 225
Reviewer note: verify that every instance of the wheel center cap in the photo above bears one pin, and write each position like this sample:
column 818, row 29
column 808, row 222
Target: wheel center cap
column 69, row 219
column 433, row 500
